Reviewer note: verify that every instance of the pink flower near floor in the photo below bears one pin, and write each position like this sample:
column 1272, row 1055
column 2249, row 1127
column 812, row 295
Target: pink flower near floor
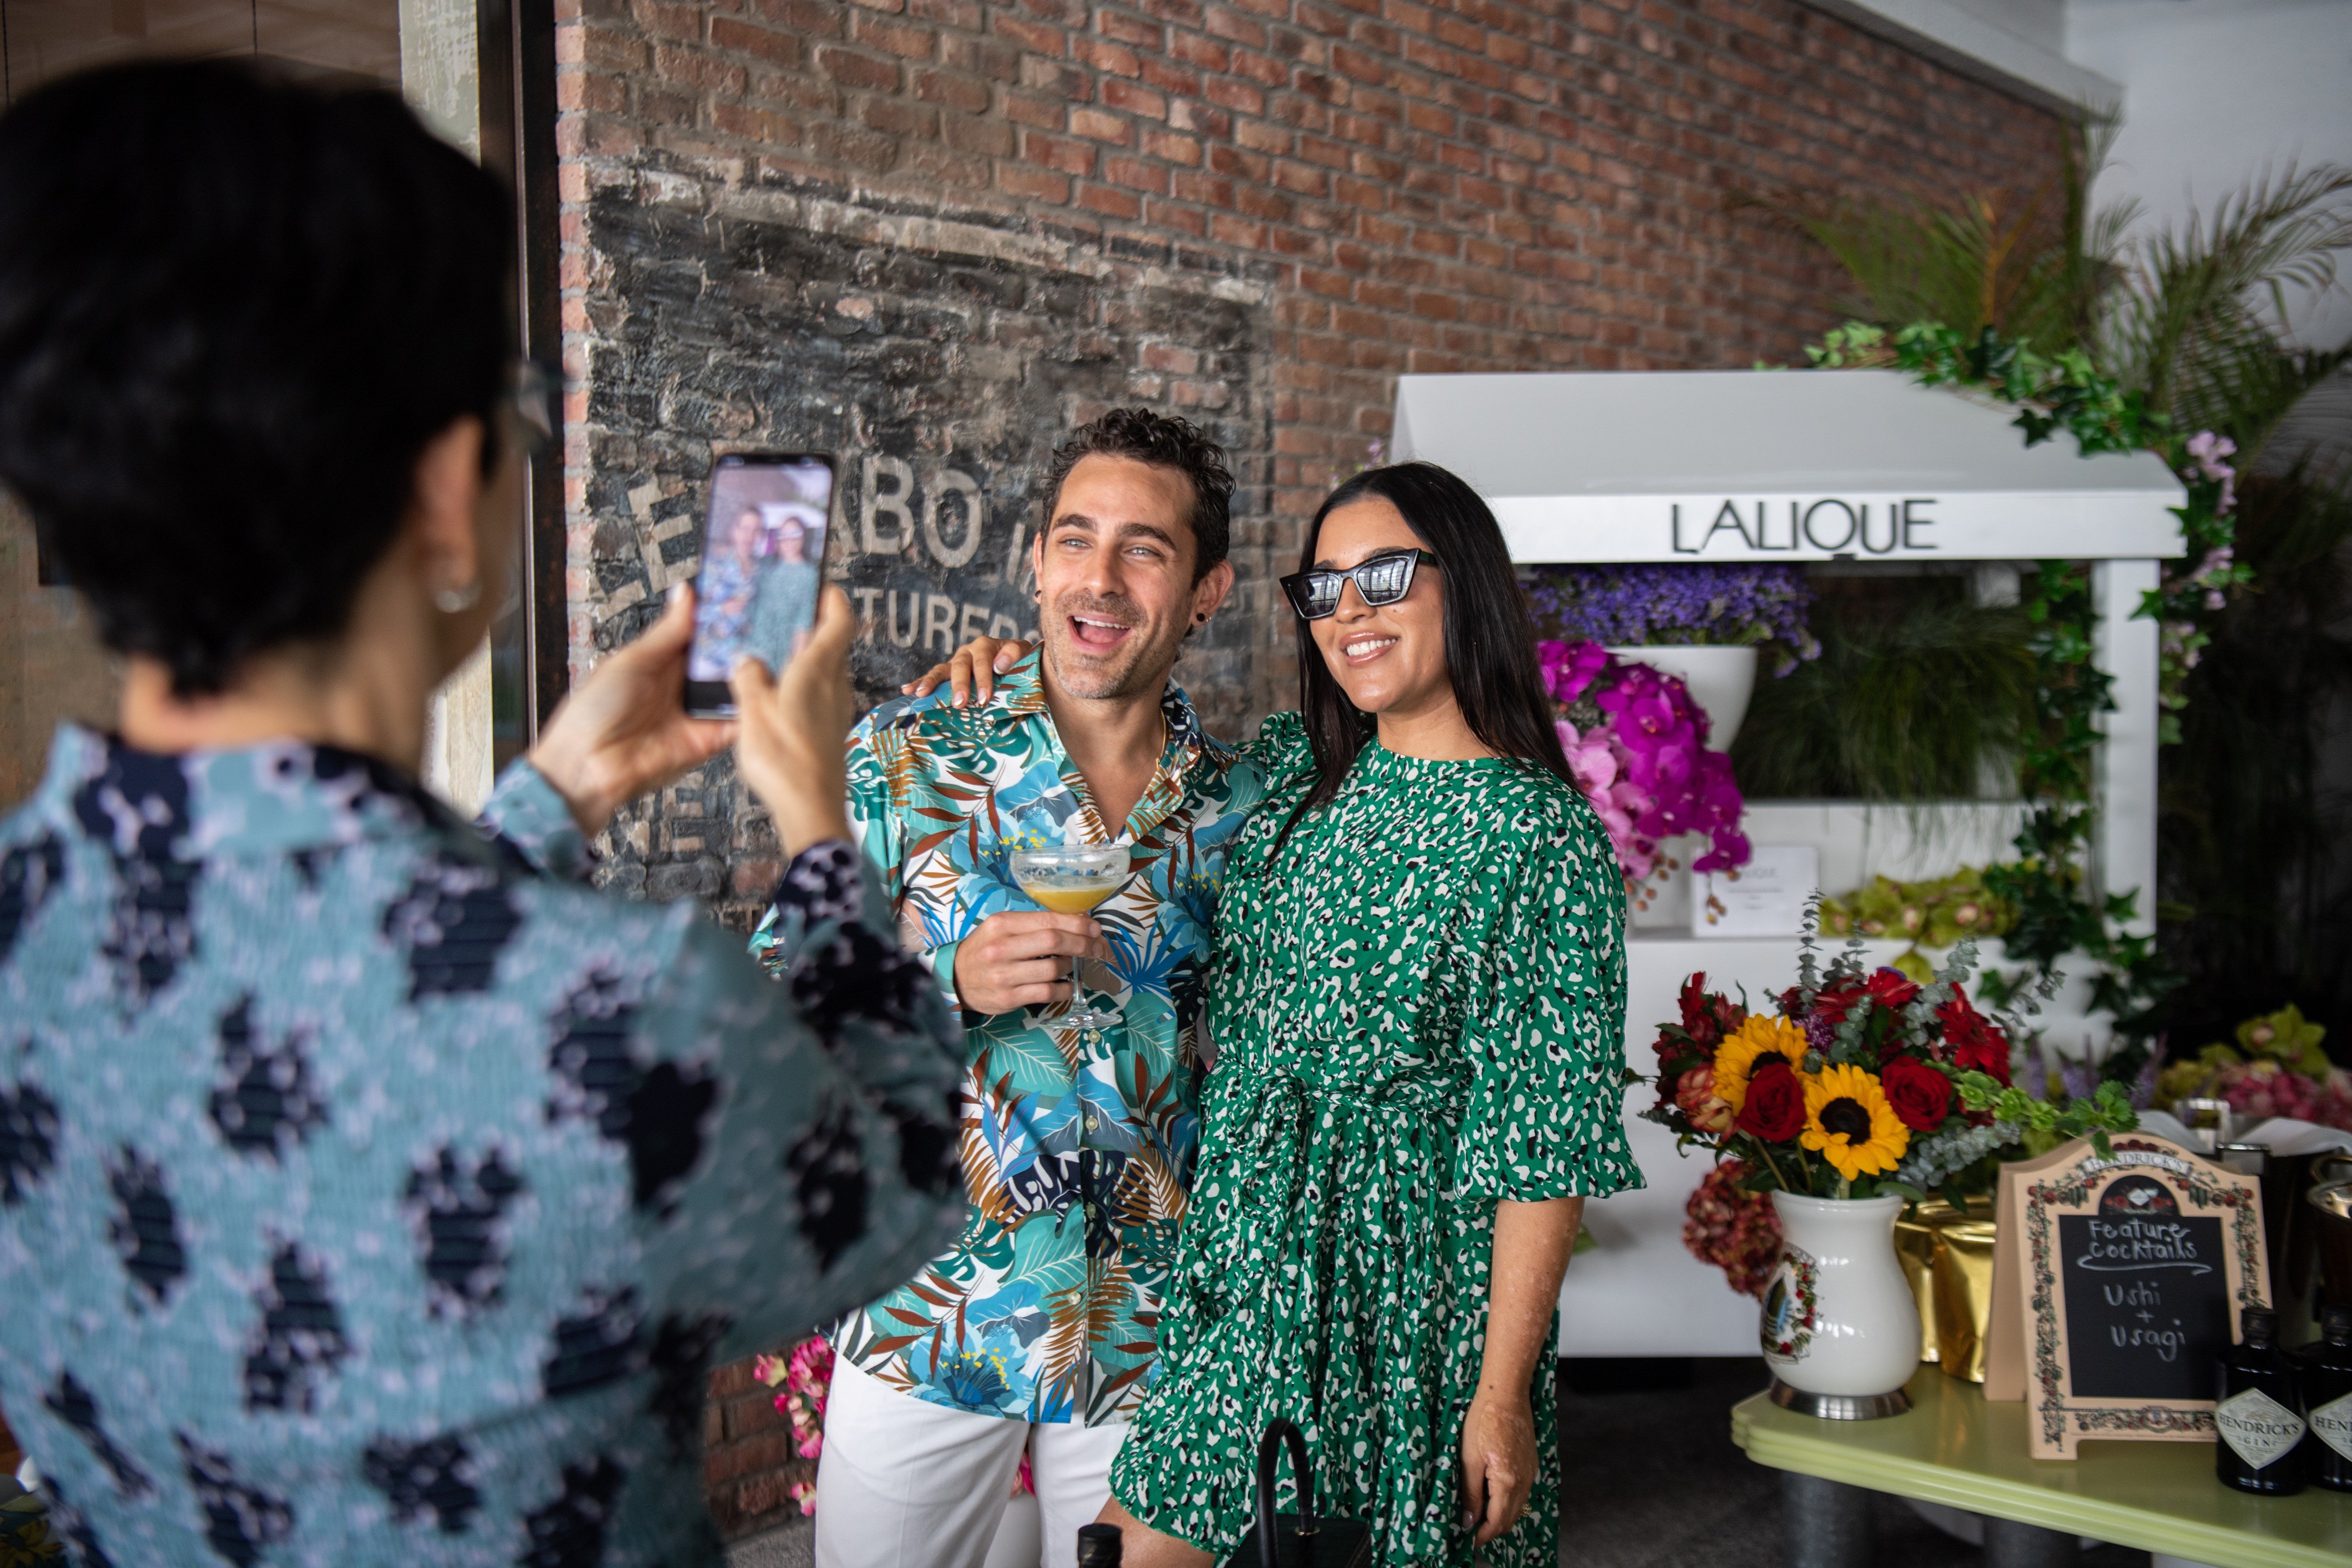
column 805, row 1375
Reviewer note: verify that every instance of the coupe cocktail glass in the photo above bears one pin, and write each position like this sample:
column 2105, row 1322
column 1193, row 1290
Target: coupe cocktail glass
column 1071, row 880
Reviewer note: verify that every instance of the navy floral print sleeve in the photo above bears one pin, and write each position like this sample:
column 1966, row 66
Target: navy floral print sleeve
column 372, row 1191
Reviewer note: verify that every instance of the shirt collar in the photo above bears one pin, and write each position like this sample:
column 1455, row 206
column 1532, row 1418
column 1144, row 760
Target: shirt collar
column 1019, row 696
column 1020, row 699
column 277, row 797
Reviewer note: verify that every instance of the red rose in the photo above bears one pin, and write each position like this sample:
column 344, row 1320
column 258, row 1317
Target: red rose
column 1921, row 1096
column 1775, row 1107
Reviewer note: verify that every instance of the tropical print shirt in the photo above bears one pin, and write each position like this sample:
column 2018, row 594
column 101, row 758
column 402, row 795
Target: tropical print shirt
column 1077, row 1148
column 371, row 1192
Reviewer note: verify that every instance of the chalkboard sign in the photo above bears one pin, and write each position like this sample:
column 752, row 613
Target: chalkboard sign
column 2147, row 1292
column 2115, row 1283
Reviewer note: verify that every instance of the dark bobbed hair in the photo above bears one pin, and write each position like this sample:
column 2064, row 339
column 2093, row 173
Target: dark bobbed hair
column 1167, row 441
column 1490, row 651
column 234, row 309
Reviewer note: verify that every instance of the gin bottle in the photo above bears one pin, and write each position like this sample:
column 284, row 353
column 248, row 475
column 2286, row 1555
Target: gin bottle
column 2260, row 1414
column 2327, row 1395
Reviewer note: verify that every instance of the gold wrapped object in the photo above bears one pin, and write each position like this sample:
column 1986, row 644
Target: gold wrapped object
column 1946, row 1256
column 1914, row 1246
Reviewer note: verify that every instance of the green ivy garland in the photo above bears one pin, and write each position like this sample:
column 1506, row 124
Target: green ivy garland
column 2067, row 392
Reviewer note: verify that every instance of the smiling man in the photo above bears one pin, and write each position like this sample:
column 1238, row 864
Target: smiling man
column 1040, row 1329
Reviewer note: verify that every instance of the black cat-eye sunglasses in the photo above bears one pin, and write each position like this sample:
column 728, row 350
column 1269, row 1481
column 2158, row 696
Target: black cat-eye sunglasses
column 1382, row 580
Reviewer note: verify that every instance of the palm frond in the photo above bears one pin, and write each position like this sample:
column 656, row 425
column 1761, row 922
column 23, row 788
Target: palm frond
column 2034, row 265
column 2186, row 328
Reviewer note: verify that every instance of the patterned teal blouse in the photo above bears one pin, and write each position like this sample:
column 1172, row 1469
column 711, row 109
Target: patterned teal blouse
column 1078, row 1147
column 371, row 1193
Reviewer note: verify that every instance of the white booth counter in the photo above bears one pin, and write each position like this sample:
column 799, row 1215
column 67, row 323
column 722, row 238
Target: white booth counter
column 1785, row 466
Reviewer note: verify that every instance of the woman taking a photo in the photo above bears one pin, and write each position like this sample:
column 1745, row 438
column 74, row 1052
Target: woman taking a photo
column 371, row 1189
column 1418, row 1003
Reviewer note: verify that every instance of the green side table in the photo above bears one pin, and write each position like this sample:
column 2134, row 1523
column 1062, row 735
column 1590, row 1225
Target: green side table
column 1954, row 1447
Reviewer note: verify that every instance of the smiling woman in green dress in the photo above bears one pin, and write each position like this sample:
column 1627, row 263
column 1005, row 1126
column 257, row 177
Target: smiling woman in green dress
column 1418, row 1000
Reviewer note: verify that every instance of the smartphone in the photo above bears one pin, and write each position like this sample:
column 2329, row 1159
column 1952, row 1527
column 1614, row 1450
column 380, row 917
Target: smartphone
column 762, row 568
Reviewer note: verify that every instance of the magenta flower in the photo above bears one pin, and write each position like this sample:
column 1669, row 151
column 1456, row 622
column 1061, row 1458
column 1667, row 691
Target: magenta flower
column 1644, row 766
column 1569, row 667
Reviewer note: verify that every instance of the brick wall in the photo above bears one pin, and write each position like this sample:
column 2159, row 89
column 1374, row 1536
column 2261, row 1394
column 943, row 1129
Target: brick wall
column 930, row 234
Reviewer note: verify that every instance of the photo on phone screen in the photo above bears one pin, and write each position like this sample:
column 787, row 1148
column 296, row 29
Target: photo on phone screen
column 763, row 565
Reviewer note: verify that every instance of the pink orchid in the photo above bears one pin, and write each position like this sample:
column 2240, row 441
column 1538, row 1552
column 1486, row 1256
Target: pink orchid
column 1569, row 667
column 1644, row 768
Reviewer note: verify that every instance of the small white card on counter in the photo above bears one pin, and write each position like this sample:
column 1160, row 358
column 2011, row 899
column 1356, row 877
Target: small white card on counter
column 1764, row 897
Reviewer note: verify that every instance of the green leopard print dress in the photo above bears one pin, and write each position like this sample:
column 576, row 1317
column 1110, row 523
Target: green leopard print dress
column 1419, row 1006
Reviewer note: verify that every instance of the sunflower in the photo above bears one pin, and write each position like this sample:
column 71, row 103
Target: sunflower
column 1734, row 1060
column 1849, row 1122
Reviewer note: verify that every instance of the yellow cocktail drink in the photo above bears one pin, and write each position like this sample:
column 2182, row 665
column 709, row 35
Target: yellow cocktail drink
column 1069, row 896
column 1073, row 879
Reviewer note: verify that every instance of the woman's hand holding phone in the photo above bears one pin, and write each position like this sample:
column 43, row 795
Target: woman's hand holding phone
column 624, row 729
column 790, row 729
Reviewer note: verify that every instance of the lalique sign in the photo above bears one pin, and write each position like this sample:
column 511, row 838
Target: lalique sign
column 1831, row 525
column 1949, row 525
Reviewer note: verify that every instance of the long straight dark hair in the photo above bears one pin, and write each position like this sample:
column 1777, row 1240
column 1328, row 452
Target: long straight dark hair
column 1490, row 651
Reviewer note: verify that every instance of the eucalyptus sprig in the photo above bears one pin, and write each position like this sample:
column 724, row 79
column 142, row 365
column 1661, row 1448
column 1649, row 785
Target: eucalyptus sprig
column 2108, row 1110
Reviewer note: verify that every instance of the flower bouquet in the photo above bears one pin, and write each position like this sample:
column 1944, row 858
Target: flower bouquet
column 1851, row 1095
column 1855, row 1083
column 2276, row 1068
column 1668, row 605
column 1637, row 745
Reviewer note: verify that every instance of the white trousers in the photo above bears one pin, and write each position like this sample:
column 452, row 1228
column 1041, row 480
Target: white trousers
column 903, row 1483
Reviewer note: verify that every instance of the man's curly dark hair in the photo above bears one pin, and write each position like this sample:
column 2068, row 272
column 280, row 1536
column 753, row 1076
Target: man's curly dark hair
column 1167, row 441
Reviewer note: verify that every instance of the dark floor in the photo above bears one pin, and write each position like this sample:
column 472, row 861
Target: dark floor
column 1652, row 1479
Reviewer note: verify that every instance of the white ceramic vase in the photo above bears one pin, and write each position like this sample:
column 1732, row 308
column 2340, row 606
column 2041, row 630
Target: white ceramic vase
column 1840, row 1323
column 1721, row 679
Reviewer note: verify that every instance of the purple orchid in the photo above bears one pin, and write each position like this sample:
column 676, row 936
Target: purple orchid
column 1644, row 766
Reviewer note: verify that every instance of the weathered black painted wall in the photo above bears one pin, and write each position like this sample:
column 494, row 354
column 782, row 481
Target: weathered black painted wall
column 940, row 376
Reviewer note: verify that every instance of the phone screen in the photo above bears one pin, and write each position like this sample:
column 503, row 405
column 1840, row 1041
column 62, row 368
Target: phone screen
column 762, row 566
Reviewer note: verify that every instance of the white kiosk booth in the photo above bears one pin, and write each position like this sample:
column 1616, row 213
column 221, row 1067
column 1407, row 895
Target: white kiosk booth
column 1778, row 466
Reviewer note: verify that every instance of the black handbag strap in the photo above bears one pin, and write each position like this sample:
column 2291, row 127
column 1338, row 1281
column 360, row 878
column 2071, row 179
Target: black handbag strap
column 1279, row 1432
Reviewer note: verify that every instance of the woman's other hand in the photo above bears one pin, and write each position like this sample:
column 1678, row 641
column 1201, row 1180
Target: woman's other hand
column 1498, row 1463
column 625, row 730
column 790, row 727
column 973, row 668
